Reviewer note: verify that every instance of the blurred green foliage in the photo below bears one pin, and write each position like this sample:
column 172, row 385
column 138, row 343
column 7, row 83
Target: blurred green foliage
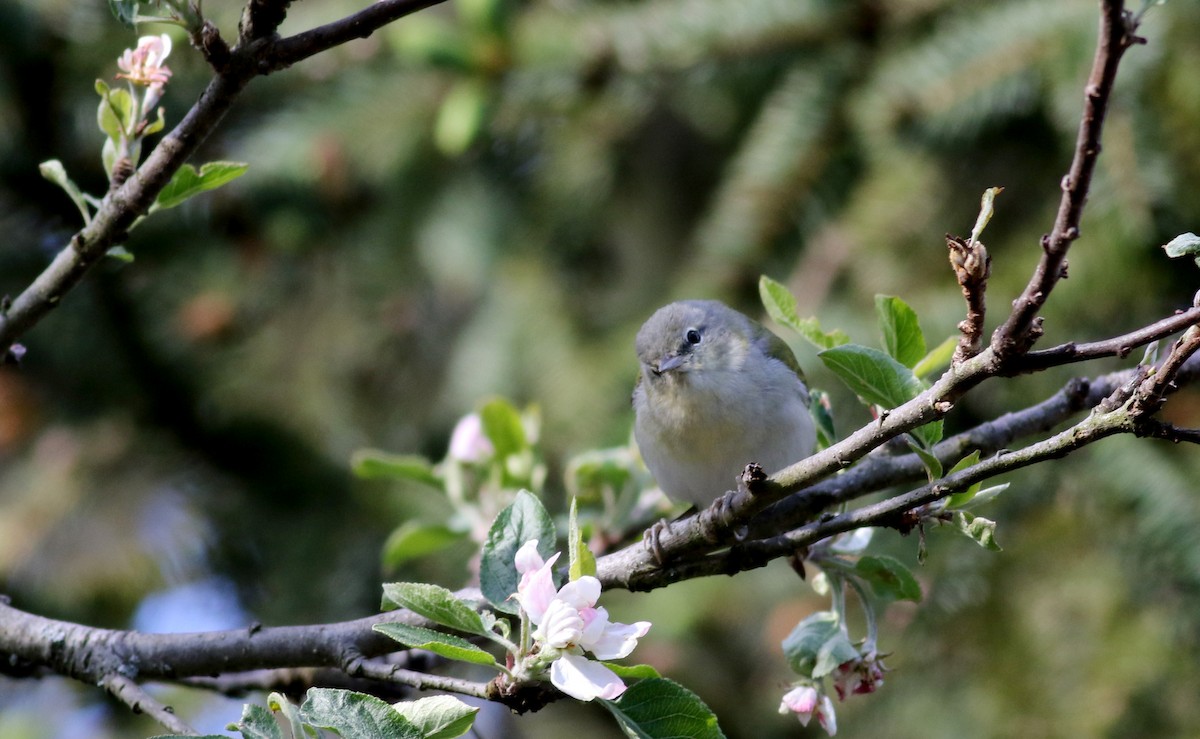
column 489, row 198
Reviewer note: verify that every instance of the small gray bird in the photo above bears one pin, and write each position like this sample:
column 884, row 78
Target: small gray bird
column 716, row 391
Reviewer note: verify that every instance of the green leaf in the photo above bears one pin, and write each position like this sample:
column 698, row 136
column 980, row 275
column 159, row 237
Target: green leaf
column 159, row 124
column 438, row 716
column 632, row 672
column 53, row 170
column 889, row 578
column 985, row 211
column 933, row 465
column 937, row 358
column 502, row 424
column 124, row 11
column 447, row 645
column 258, row 723
column 1187, row 244
column 902, row 337
column 373, row 464
column 188, row 182
column 979, row 529
column 803, row 644
column 961, row 497
column 590, row 474
column 781, row 306
column 878, row 379
column 413, row 539
column 525, row 519
column 120, row 253
column 985, row 495
column 835, row 651
column 434, row 603
column 583, row 562
column 114, row 116
column 354, row 714
column 663, row 709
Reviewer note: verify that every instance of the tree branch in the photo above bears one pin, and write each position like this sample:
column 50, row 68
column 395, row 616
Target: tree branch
column 139, row 701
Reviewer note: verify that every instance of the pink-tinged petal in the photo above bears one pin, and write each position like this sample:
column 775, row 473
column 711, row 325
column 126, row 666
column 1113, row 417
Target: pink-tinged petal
column 561, row 626
column 802, row 701
column 536, row 590
column 618, row 640
column 468, row 442
column 826, row 717
column 528, row 559
column 581, row 593
column 583, row 679
column 595, row 621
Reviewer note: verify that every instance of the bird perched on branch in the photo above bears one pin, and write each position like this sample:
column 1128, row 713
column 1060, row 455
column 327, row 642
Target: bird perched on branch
column 716, row 391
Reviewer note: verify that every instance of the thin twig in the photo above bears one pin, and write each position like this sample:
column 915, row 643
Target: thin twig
column 1118, row 346
column 139, row 701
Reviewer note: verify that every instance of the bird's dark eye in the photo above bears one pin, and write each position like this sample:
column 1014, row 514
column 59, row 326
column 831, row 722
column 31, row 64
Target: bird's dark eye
column 692, row 336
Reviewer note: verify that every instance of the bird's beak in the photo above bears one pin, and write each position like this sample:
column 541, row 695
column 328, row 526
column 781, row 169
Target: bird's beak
column 667, row 363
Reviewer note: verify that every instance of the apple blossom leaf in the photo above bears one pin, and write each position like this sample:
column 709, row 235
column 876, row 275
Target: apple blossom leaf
column 188, row 182
column 54, row 171
column 434, row 603
column 986, row 211
column 962, row 497
column 902, row 337
column 447, row 645
column 659, row 708
column 414, row 539
column 880, row 380
column 583, row 562
column 781, row 306
column 937, row 358
column 802, row 645
column 821, row 411
column 120, row 253
column 523, row 520
column 888, row 577
column 114, row 116
column 835, row 651
column 1184, row 245
column 461, row 116
column 933, row 465
column 632, row 672
column 503, row 427
column 438, row 716
column 981, row 530
column 353, row 714
column 157, row 125
column 373, row 464
column 259, row 723
column 280, row 705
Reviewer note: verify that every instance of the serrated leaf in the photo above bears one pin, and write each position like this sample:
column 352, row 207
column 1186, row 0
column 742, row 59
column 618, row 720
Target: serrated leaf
column 781, row 306
column 937, row 358
column 888, row 577
column 902, row 337
column 659, row 708
column 54, row 171
column 373, row 464
column 525, row 519
column 434, row 603
column 878, row 379
column 583, row 562
column 413, row 539
column 353, row 714
column 961, row 497
column 438, row 716
column 979, row 529
column 258, row 723
column 188, row 182
column 802, row 645
column 447, row 645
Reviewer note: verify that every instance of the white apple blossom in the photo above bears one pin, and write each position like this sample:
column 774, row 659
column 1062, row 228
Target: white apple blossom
column 569, row 624
column 806, row 701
